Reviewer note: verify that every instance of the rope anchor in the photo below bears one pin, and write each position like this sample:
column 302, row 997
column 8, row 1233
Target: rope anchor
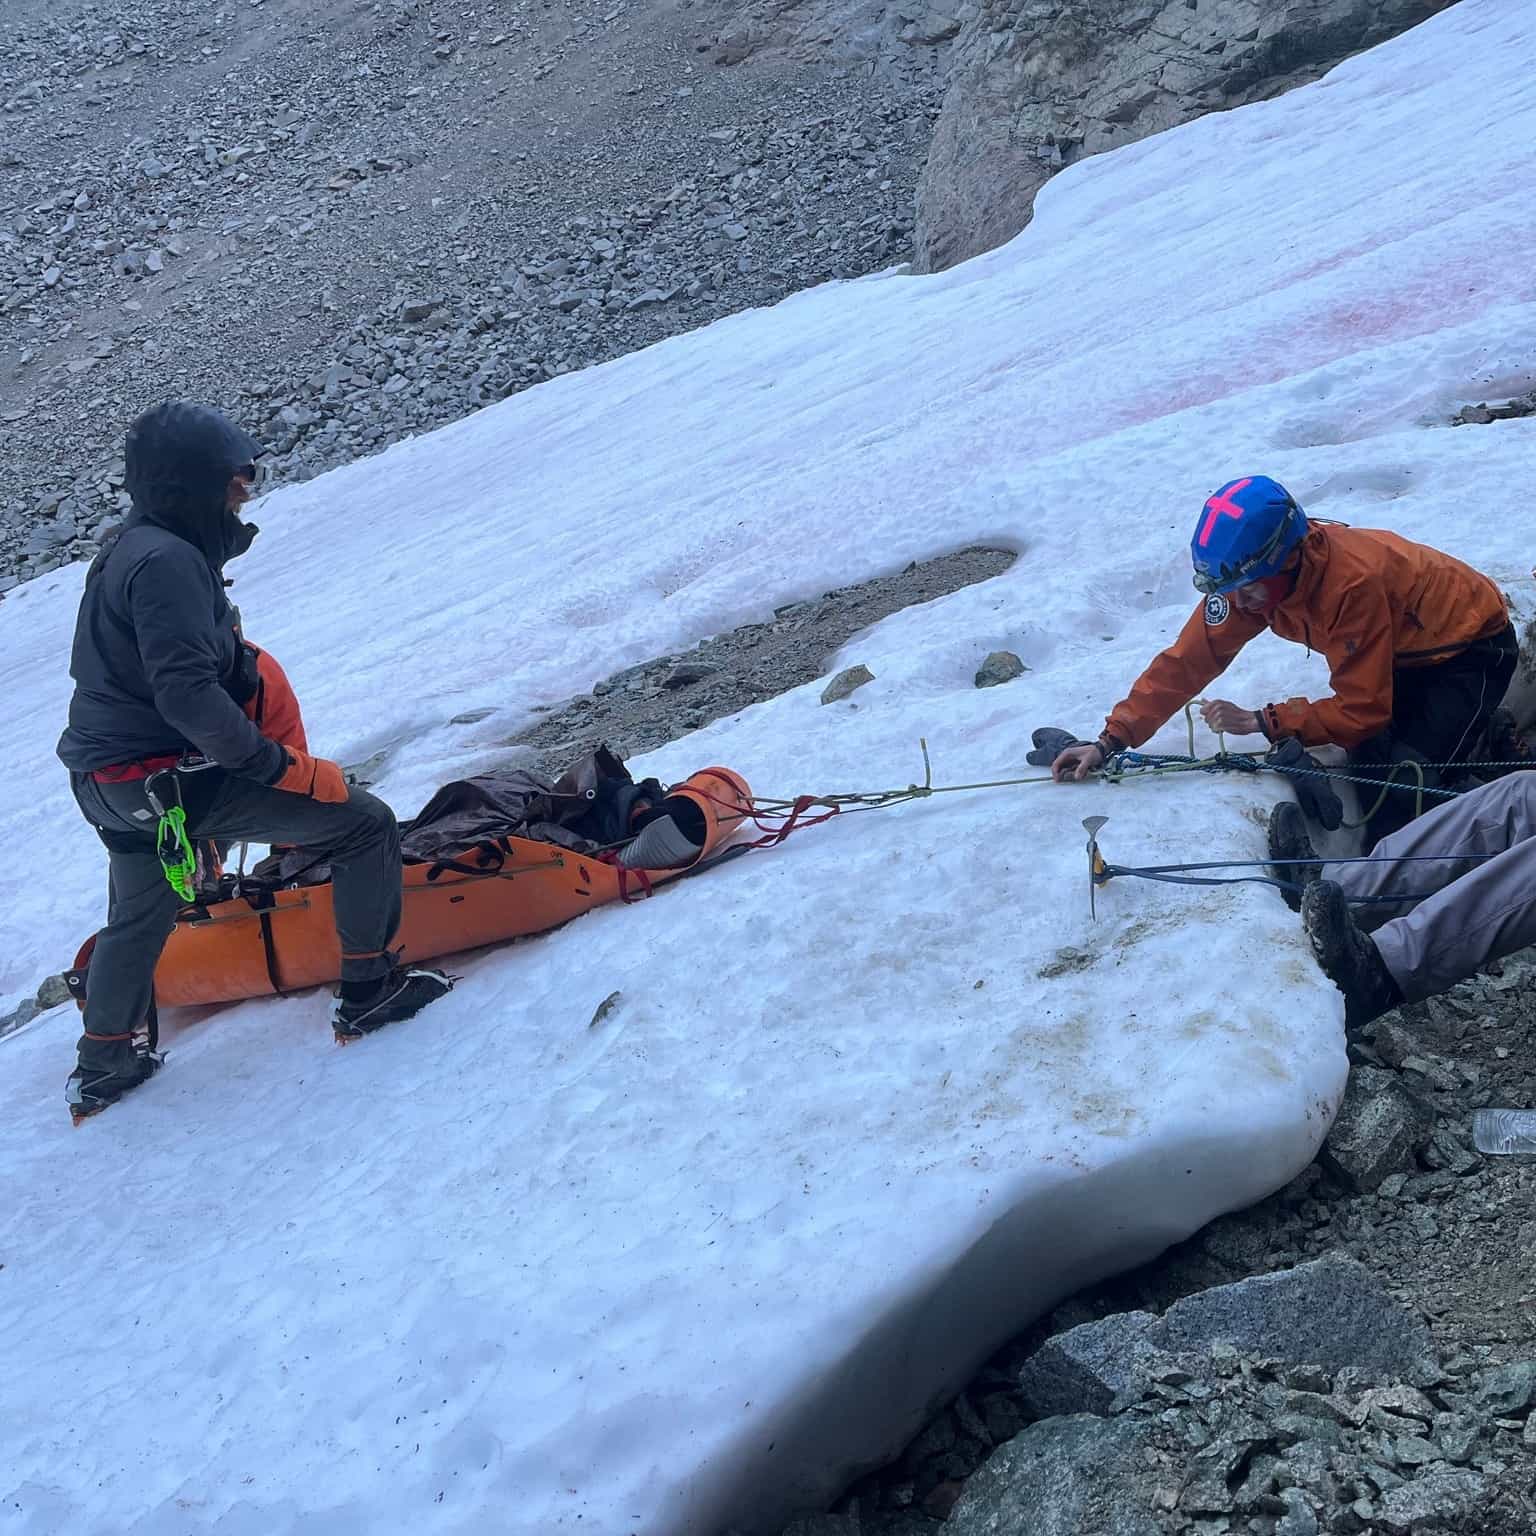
column 776, row 818
column 1098, row 870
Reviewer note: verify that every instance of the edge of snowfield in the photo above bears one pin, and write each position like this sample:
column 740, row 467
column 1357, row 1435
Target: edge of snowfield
column 871, row 1102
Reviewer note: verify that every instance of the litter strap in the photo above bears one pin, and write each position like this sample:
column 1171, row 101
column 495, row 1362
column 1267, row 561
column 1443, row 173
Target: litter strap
column 626, row 874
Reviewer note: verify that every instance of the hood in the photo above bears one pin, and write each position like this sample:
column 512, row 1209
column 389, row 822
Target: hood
column 179, row 461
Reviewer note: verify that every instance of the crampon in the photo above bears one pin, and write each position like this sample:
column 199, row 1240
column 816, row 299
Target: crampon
column 91, row 1090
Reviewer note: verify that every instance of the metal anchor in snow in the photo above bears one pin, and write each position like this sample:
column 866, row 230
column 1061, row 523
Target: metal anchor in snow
column 1098, row 870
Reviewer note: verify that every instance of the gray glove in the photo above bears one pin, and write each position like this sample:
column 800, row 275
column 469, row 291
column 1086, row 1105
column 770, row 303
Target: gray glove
column 1050, row 742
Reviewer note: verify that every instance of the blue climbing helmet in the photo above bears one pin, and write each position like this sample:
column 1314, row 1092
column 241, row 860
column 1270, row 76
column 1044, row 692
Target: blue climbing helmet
column 1246, row 532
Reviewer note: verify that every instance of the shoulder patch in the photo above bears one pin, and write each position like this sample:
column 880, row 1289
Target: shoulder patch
column 1217, row 608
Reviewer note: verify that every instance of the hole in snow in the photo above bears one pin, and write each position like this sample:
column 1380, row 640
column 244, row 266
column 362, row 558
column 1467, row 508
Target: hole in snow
column 646, row 706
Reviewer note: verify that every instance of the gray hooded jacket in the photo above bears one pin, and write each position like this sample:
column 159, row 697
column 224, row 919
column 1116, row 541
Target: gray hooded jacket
column 158, row 663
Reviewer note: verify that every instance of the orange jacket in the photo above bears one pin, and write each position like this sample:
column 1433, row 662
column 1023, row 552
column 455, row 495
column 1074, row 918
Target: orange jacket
column 1370, row 601
column 274, row 707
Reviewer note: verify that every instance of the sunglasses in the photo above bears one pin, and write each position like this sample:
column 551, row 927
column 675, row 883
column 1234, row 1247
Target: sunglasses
column 252, row 474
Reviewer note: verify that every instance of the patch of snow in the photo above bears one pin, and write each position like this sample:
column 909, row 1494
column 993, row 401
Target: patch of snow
column 869, row 1102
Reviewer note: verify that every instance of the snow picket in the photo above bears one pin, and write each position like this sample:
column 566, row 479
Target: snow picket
column 867, row 1103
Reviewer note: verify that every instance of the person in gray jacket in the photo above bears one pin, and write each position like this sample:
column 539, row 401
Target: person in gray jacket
column 1468, row 865
column 161, row 677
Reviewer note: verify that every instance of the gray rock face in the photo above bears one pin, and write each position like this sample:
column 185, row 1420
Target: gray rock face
column 1084, row 1369
column 903, row 39
column 1331, row 1313
column 253, row 257
column 1379, row 1129
column 1040, row 84
column 1063, row 1477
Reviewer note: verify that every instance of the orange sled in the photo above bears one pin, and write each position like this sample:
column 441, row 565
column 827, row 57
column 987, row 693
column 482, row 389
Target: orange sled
column 236, row 949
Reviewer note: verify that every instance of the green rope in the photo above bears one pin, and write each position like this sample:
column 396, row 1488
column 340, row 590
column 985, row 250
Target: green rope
column 1386, row 789
column 177, row 857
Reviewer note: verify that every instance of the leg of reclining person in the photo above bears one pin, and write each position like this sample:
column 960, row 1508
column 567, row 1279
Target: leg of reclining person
column 359, row 838
column 1452, row 840
column 1488, row 911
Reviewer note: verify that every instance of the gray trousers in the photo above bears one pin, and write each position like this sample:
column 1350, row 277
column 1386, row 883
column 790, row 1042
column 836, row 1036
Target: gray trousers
column 1463, row 911
column 359, row 839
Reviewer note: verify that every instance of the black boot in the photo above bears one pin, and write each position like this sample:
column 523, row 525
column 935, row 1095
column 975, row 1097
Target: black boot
column 403, row 991
column 110, row 1072
column 1348, row 957
column 1288, row 840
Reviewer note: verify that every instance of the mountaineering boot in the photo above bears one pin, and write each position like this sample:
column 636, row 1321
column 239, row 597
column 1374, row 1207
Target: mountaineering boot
column 1288, row 840
column 92, row 1087
column 404, row 990
column 1348, row 957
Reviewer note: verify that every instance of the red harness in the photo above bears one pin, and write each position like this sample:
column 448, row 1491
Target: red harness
column 129, row 773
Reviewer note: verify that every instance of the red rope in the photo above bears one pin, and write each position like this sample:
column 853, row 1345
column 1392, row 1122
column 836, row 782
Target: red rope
column 793, row 820
column 624, row 872
column 759, row 816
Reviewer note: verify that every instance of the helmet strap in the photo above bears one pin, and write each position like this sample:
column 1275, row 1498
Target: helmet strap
column 1277, row 588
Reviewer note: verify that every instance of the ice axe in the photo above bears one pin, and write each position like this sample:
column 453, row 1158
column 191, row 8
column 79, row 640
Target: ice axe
column 1098, row 870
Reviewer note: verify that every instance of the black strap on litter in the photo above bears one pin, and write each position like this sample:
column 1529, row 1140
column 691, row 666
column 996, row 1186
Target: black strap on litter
column 491, row 857
column 734, row 852
column 269, row 950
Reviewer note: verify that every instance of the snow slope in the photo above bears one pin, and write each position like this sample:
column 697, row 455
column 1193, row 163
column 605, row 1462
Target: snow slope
column 870, row 1102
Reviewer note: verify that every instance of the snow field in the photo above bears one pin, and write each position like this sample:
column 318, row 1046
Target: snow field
column 870, row 1102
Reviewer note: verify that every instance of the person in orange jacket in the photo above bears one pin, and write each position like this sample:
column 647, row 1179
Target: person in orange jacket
column 1419, row 645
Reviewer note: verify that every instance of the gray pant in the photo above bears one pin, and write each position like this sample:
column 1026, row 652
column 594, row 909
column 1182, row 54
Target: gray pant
column 1464, row 911
column 359, row 839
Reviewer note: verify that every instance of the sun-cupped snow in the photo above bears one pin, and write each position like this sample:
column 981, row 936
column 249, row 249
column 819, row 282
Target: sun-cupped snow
column 869, row 1102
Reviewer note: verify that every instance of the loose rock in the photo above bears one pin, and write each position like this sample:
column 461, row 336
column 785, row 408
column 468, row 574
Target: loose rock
column 845, row 683
column 1380, row 1127
column 999, row 667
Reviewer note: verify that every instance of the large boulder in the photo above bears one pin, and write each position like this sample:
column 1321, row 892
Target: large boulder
column 1036, row 85
column 1330, row 1313
column 1063, row 1477
column 1086, row 1368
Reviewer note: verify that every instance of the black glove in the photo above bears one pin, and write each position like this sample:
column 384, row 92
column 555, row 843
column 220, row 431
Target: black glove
column 1309, row 780
column 1050, row 742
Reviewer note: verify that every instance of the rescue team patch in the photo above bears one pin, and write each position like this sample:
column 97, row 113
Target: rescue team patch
column 1216, row 609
